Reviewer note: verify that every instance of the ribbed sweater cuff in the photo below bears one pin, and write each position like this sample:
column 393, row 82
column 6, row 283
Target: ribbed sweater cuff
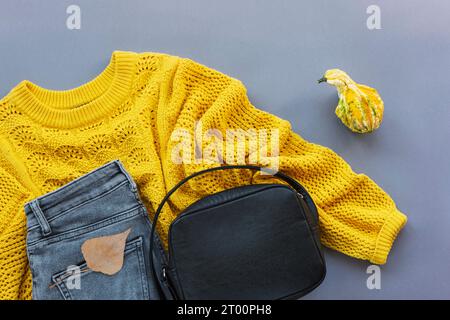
column 392, row 226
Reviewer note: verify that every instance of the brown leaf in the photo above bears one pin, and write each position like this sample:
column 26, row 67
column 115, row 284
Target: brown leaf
column 105, row 254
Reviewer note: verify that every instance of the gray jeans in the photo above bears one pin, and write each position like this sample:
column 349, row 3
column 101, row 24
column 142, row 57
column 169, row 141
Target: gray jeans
column 101, row 203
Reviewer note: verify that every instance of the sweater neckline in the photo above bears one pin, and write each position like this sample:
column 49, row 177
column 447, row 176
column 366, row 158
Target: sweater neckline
column 81, row 105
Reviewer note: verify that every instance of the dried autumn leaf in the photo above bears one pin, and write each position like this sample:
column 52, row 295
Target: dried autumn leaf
column 105, row 254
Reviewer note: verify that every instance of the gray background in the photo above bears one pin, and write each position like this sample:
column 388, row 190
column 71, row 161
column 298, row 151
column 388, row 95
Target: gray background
column 279, row 49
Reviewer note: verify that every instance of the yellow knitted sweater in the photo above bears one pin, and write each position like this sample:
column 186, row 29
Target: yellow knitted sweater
column 129, row 112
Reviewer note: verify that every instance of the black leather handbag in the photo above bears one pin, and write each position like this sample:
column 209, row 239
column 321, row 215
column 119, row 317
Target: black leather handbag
column 257, row 241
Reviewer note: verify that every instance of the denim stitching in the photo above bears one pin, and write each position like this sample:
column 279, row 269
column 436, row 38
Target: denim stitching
column 82, row 204
column 42, row 221
column 134, row 245
column 129, row 248
column 33, row 276
column 158, row 242
column 143, row 269
column 127, row 175
column 62, row 288
column 130, row 213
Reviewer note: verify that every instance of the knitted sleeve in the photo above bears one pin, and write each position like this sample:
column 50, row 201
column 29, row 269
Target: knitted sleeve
column 356, row 216
column 15, row 278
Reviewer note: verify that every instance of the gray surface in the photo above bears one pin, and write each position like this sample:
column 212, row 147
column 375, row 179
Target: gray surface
column 279, row 49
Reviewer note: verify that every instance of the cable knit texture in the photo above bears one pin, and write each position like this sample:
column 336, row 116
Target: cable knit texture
column 129, row 112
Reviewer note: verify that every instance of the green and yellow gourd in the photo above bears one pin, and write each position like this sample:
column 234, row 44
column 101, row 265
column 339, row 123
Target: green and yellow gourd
column 360, row 107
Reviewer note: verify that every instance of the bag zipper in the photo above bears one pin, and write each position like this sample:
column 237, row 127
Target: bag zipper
column 168, row 282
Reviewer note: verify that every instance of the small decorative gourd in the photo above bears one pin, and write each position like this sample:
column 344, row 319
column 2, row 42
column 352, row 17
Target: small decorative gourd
column 360, row 107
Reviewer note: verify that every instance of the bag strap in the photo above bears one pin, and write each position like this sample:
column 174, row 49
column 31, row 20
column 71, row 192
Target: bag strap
column 289, row 180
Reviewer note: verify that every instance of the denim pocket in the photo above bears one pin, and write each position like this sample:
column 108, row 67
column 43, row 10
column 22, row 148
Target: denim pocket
column 104, row 202
column 78, row 282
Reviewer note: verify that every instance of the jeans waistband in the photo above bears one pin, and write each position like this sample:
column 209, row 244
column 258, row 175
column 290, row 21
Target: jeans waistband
column 74, row 193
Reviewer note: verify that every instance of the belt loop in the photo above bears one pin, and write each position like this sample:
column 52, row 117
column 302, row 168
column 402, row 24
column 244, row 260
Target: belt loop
column 34, row 206
column 127, row 175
